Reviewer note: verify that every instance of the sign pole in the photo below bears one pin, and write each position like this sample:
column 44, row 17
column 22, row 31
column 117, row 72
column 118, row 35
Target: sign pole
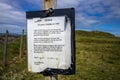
column 47, row 4
column 54, row 77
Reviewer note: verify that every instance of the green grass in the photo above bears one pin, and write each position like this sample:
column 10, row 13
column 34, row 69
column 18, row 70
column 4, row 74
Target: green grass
column 97, row 58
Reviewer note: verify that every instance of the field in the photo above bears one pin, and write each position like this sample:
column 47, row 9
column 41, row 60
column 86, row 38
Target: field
column 97, row 58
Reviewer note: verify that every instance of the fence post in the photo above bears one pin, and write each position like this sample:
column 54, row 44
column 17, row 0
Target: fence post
column 21, row 45
column 5, row 49
column 47, row 4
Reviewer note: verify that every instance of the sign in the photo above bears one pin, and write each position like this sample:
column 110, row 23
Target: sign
column 50, row 44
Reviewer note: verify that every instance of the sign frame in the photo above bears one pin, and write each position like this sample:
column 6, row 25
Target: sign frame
column 70, row 13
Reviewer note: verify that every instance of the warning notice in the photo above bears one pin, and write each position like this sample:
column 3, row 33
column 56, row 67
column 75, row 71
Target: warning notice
column 49, row 43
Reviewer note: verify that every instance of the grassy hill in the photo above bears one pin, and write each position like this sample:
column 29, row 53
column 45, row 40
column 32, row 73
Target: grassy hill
column 97, row 58
column 94, row 33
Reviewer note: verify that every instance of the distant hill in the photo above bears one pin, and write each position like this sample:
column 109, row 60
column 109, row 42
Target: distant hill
column 11, row 37
column 93, row 33
column 1, row 34
column 10, row 34
column 78, row 32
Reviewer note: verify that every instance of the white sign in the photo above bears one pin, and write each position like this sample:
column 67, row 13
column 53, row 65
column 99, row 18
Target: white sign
column 49, row 43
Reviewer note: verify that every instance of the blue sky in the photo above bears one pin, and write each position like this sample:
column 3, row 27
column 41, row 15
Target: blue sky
column 102, row 15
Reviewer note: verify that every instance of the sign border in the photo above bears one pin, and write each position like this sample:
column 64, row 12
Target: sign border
column 70, row 13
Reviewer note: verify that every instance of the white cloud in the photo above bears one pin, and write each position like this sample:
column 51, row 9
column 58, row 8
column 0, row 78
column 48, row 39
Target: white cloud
column 97, row 12
column 84, row 21
column 4, row 6
column 68, row 3
column 88, row 12
column 11, row 17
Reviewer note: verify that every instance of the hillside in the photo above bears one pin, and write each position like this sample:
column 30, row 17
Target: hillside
column 93, row 33
column 97, row 58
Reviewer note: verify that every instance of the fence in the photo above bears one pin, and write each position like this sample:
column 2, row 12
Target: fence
column 7, row 39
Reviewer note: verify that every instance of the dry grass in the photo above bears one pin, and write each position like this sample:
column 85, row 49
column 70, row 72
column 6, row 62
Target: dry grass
column 97, row 58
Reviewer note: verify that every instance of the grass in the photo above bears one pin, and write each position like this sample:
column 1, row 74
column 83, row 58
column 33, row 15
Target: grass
column 97, row 58
column 1, row 51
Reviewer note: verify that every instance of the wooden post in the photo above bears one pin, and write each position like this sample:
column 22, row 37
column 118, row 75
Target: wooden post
column 47, row 4
column 21, row 45
column 5, row 49
column 54, row 77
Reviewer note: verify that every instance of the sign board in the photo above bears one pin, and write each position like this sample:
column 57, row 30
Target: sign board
column 51, row 42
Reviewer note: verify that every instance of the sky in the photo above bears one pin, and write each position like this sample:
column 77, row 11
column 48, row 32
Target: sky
column 101, row 15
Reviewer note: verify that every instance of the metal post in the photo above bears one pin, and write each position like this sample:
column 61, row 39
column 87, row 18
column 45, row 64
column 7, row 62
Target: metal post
column 21, row 44
column 47, row 4
column 5, row 49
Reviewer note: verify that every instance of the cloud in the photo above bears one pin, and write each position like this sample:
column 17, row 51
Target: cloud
column 11, row 17
column 85, row 21
column 11, row 28
column 68, row 3
column 95, row 12
column 88, row 12
column 35, row 2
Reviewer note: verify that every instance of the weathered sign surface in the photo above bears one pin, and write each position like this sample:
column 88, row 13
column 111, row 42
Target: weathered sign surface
column 51, row 41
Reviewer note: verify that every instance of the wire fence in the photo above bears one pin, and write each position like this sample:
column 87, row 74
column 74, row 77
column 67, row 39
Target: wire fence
column 9, row 37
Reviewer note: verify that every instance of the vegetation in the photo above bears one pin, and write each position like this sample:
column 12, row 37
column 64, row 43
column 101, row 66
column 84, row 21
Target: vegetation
column 97, row 58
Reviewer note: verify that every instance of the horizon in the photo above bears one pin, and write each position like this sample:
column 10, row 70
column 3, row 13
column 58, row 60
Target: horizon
column 100, row 15
column 25, row 33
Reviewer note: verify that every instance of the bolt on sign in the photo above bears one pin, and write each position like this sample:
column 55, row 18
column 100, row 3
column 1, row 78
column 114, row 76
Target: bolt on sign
column 51, row 41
